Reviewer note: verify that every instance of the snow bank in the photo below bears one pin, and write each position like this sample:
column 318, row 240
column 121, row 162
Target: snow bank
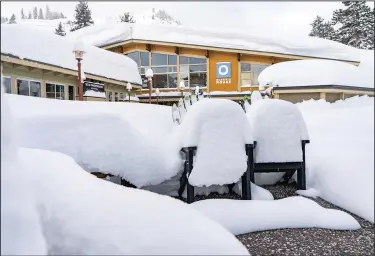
column 240, row 217
column 340, row 158
column 103, row 137
column 105, row 34
column 257, row 193
column 313, row 72
column 46, row 47
column 278, row 129
column 21, row 231
column 95, row 94
column 217, row 127
column 87, row 215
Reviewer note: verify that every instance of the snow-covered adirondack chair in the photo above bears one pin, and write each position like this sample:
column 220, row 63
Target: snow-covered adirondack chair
column 280, row 136
column 217, row 141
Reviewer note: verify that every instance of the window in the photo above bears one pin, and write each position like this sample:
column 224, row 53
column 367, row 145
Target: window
column 250, row 73
column 164, row 67
column 116, row 96
column 109, row 96
column 55, row 91
column 143, row 61
column 28, row 88
column 121, row 96
column 193, row 71
column 7, row 82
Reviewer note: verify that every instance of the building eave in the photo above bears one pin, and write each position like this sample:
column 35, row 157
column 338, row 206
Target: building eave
column 46, row 66
column 194, row 46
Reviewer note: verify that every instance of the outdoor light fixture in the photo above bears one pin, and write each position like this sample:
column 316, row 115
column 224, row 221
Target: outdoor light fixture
column 129, row 87
column 157, row 92
column 78, row 53
column 149, row 74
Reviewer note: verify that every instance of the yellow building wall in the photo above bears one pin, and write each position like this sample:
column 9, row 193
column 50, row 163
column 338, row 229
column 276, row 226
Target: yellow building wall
column 216, row 57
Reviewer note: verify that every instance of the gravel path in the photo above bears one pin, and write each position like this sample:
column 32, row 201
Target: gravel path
column 306, row 241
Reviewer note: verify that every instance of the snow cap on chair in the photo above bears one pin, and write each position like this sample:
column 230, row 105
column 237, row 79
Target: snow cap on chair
column 220, row 130
column 278, row 128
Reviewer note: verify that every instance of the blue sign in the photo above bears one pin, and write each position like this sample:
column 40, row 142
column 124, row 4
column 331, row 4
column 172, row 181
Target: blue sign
column 223, row 70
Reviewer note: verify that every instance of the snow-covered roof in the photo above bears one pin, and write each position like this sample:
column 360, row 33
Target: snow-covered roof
column 112, row 33
column 312, row 73
column 45, row 47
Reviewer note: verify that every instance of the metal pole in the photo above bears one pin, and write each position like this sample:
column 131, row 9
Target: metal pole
column 129, row 95
column 80, row 87
column 149, row 91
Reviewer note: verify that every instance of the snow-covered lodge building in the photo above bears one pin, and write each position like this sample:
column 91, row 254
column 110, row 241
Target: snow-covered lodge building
column 44, row 65
column 225, row 65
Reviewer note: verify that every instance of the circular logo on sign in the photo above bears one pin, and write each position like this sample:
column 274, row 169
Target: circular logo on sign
column 223, row 70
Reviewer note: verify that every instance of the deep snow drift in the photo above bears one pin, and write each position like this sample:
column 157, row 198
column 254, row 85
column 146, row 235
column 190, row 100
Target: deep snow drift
column 241, row 217
column 135, row 142
column 82, row 214
column 340, row 157
column 21, row 231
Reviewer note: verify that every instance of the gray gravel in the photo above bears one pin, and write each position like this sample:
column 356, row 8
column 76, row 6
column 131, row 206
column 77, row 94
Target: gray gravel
column 306, row 241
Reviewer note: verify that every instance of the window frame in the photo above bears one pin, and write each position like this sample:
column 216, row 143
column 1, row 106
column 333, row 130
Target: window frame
column 11, row 83
column 61, row 84
column 29, row 80
column 194, row 72
column 251, row 72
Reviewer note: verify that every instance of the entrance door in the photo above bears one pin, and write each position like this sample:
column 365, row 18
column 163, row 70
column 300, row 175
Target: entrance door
column 71, row 92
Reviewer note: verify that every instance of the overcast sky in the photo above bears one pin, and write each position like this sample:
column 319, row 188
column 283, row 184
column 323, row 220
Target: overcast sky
column 273, row 17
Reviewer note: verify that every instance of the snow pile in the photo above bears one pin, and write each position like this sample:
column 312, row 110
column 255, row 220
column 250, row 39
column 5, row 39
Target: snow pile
column 108, row 34
column 21, row 231
column 313, row 72
column 87, row 215
column 220, row 130
column 129, row 140
column 366, row 67
column 51, row 49
column 340, row 158
column 278, row 128
column 95, row 94
column 240, row 217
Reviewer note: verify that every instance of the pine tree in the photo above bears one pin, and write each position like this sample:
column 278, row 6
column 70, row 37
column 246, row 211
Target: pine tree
column 60, row 30
column 4, row 19
column 82, row 16
column 322, row 29
column 355, row 25
column 29, row 17
column 127, row 17
column 48, row 13
column 12, row 19
column 40, row 17
column 62, row 16
column 35, row 13
column 22, row 14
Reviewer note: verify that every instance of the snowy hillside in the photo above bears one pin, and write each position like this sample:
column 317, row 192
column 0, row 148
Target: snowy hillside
column 45, row 25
